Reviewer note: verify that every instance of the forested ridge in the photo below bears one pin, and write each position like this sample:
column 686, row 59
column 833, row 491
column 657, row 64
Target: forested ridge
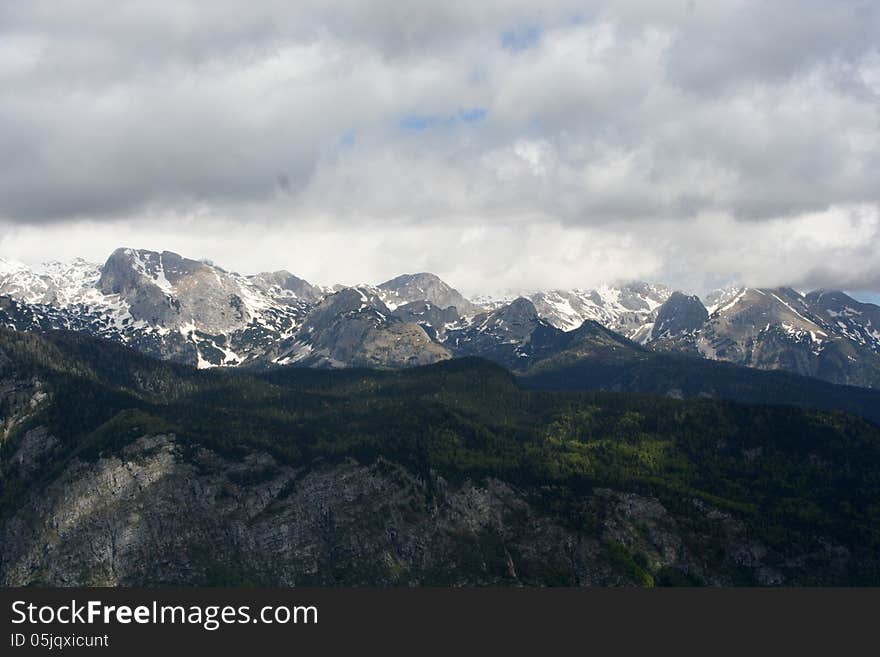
column 795, row 477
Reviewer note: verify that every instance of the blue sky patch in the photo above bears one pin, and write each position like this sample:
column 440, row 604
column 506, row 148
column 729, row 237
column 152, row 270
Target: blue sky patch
column 417, row 122
column 348, row 139
column 473, row 115
column 422, row 122
column 521, row 38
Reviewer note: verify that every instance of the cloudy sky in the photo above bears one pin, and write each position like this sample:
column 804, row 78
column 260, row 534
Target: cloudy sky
column 503, row 145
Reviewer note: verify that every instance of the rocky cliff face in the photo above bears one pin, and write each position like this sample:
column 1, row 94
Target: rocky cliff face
column 353, row 327
column 435, row 320
column 859, row 322
column 504, row 335
column 286, row 288
column 169, row 291
column 20, row 398
column 161, row 513
column 679, row 314
column 119, row 469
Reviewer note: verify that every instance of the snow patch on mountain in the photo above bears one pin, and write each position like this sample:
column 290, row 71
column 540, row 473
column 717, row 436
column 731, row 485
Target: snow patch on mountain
column 623, row 308
column 723, row 299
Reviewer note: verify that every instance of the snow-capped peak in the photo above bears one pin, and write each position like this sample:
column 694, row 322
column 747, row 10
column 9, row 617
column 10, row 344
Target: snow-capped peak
column 625, row 308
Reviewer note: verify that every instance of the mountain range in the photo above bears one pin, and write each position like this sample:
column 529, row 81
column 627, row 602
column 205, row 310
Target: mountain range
column 166, row 421
column 197, row 313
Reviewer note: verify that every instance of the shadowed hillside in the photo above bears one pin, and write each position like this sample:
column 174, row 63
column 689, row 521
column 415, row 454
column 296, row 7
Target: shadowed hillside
column 118, row 469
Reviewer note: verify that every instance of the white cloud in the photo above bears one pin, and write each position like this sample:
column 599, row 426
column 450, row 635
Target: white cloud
column 687, row 142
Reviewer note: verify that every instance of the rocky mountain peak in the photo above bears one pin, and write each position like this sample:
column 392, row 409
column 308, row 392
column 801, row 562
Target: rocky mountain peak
column 424, row 286
column 354, row 327
column 174, row 292
column 642, row 296
column 721, row 297
column 504, row 335
column 285, row 287
column 680, row 313
column 628, row 309
column 351, row 300
column 839, row 312
column 128, row 270
column 520, row 309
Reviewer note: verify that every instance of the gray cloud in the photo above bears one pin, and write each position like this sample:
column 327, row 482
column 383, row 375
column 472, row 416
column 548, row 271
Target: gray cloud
column 635, row 133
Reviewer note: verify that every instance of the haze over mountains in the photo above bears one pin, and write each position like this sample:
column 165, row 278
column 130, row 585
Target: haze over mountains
column 198, row 313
